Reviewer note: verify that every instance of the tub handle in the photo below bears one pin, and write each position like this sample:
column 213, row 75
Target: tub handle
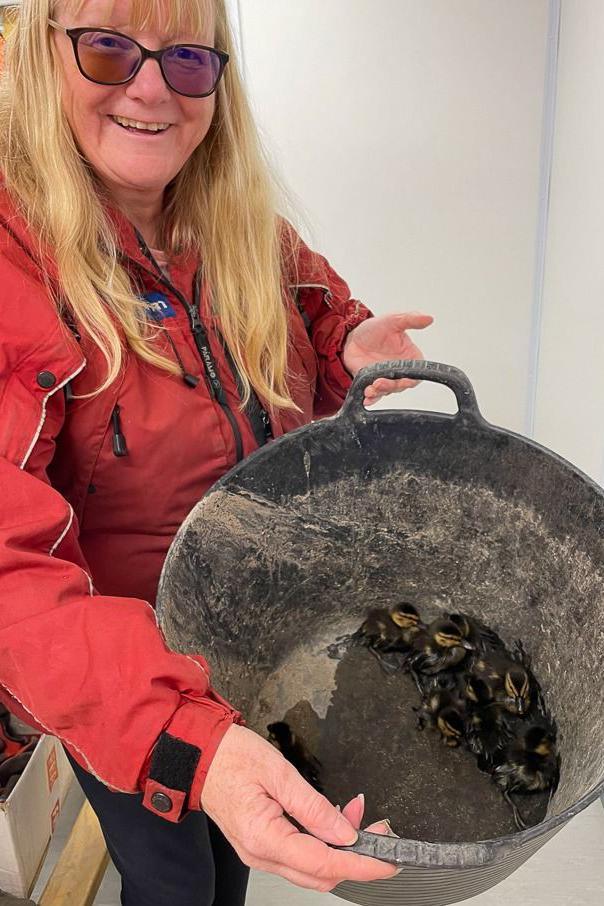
column 452, row 377
column 424, row 855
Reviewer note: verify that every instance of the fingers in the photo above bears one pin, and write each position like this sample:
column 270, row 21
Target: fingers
column 382, row 387
column 413, row 320
column 310, row 809
column 292, row 851
column 381, row 827
column 354, row 810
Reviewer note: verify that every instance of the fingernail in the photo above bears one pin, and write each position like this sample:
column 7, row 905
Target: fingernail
column 349, row 834
column 398, row 871
column 338, row 808
column 361, row 798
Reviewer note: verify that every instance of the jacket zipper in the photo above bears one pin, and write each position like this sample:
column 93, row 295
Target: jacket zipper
column 202, row 344
column 119, row 441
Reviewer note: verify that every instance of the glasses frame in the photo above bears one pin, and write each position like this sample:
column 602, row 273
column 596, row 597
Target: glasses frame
column 74, row 34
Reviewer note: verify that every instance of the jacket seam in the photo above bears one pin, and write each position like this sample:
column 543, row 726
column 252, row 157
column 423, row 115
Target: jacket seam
column 63, row 534
column 328, row 293
column 202, row 668
column 89, row 767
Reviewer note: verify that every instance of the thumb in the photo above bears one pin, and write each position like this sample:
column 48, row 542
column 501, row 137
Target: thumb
column 312, row 810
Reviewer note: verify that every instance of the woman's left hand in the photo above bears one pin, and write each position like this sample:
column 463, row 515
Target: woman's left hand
column 380, row 340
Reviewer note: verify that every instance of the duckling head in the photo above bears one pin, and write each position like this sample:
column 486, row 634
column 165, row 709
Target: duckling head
column 279, row 733
column 446, row 634
column 405, row 615
column 517, row 688
column 540, row 741
column 462, row 623
column 451, row 725
column 478, row 691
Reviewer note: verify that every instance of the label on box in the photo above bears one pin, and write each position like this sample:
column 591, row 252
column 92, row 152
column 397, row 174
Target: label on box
column 54, row 815
column 52, row 769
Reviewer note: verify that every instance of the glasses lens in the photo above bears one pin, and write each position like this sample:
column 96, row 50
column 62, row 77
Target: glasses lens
column 191, row 70
column 109, row 59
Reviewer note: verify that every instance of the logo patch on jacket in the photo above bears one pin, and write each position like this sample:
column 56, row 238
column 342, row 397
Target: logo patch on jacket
column 158, row 306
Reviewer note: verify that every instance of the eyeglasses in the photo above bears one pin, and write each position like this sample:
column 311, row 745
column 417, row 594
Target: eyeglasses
column 110, row 58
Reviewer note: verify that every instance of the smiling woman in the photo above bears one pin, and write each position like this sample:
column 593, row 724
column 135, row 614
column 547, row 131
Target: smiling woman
column 159, row 321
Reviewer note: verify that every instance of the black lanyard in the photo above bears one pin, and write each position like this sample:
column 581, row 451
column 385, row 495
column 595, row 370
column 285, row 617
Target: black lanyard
column 256, row 414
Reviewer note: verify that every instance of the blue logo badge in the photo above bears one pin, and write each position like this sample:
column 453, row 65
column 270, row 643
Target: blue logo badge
column 158, row 306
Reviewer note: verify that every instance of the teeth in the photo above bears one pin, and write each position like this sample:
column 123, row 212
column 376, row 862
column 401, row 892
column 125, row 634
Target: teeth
column 144, row 127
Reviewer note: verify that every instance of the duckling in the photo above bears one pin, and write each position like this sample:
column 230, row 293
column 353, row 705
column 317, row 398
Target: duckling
column 389, row 634
column 386, row 630
column 444, row 711
column 508, row 682
column 441, row 646
column 478, row 633
column 489, row 728
column 392, row 629
column 529, row 764
column 293, row 748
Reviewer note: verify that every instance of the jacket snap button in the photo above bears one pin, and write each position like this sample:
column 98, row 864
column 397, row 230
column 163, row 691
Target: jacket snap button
column 46, row 379
column 161, row 802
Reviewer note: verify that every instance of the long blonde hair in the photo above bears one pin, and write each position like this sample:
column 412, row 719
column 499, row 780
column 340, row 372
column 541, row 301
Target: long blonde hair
column 221, row 206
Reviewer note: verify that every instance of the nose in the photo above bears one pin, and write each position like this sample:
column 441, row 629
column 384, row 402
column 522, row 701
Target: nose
column 149, row 85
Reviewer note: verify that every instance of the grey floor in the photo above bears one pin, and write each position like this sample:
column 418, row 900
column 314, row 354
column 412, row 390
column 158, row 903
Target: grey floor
column 569, row 871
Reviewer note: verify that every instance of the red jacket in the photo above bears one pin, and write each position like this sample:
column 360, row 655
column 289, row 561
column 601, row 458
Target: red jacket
column 84, row 532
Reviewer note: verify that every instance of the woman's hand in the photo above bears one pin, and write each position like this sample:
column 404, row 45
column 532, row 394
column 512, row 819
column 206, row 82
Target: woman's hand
column 249, row 791
column 379, row 340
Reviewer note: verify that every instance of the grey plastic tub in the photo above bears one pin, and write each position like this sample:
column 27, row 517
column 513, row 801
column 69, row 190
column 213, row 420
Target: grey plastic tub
column 281, row 555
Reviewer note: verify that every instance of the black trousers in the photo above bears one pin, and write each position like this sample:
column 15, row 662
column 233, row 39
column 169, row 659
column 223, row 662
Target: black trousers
column 165, row 864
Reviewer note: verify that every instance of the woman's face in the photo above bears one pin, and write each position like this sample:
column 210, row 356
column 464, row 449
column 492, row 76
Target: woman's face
column 127, row 159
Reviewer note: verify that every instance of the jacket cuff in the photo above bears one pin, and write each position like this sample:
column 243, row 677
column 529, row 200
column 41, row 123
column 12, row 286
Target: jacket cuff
column 329, row 338
column 179, row 763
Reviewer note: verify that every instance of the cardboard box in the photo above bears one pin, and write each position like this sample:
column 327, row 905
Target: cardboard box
column 29, row 815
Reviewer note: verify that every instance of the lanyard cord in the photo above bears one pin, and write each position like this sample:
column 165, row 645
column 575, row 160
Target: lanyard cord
column 256, row 414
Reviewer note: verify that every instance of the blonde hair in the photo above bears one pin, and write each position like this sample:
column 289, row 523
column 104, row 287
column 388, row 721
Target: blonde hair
column 221, row 206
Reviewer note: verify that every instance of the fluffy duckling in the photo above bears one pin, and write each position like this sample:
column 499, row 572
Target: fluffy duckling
column 507, row 682
column 483, row 638
column 489, row 728
column 529, row 764
column 281, row 735
column 392, row 629
column 444, row 711
column 441, row 646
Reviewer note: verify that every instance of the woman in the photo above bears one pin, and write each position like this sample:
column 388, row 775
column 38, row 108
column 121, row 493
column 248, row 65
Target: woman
column 158, row 323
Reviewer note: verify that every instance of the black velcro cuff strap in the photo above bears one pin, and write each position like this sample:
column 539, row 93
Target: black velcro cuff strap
column 174, row 762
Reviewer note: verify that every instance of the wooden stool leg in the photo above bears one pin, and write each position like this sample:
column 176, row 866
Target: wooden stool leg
column 79, row 871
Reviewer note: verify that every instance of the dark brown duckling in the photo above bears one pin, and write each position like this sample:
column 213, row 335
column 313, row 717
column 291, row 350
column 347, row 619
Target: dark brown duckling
column 293, row 748
column 508, row 682
column 529, row 764
column 439, row 647
column 483, row 638
column 444, row 711
column 489, row 728
column 392, row 629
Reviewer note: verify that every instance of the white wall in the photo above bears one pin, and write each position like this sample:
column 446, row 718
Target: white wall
column 413, row 139
column 418, row 136
column 570, row 400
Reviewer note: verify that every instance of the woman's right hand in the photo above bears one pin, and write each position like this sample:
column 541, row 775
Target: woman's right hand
column 248, row 789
